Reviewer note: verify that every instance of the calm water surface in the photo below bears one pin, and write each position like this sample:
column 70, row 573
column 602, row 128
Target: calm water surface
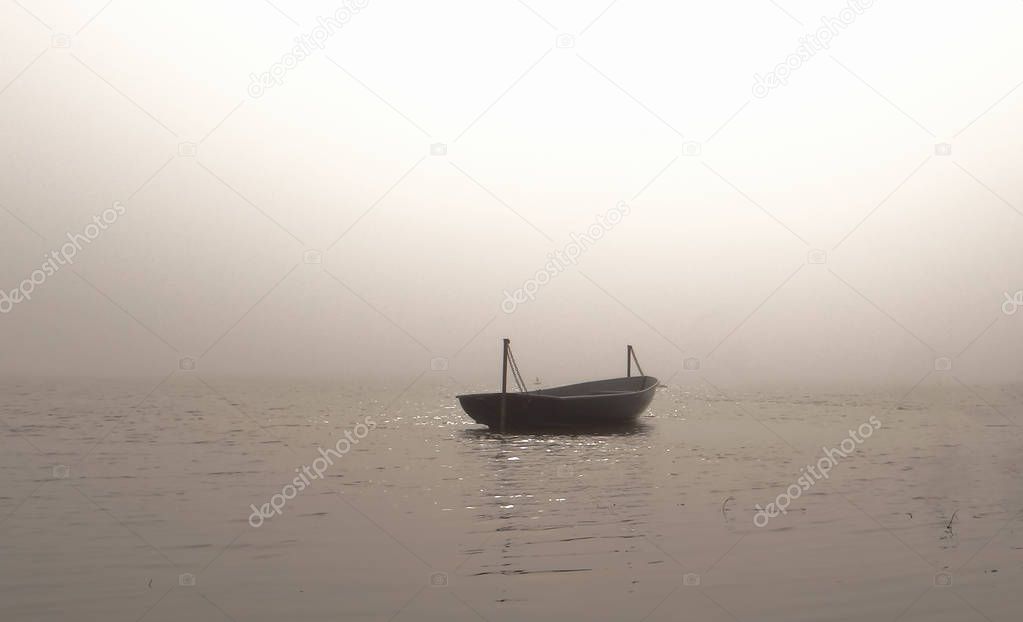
column 118, row 495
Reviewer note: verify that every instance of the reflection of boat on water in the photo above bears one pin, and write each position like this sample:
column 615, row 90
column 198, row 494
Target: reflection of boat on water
column 599, row 403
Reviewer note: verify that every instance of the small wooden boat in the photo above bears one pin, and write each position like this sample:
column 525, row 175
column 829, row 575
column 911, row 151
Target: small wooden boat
column 596, row 404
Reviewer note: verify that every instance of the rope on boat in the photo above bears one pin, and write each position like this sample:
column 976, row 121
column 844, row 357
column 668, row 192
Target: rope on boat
column 519, row 382
column 636, row 359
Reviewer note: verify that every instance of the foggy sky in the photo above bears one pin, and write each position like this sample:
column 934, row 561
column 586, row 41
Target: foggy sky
column 729, row 194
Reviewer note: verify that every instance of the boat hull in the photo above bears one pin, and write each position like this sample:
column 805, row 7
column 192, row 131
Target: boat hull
column 602, row 403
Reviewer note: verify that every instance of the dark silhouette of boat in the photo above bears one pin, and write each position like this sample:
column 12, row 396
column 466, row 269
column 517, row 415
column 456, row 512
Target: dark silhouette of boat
column 595, row 404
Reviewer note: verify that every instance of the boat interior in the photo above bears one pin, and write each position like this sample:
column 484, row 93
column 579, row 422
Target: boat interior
column 612, row 386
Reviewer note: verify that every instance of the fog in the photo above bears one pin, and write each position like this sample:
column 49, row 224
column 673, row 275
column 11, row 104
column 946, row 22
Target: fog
column 367, row 212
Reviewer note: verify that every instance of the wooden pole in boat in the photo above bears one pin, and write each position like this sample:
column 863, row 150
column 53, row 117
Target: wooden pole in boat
column 504, row 384
column 628, row 361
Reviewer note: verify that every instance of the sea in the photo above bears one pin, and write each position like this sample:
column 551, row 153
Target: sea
column 195, row 497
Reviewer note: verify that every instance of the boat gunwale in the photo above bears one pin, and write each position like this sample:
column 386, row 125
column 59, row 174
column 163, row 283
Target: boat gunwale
column 653, row 386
